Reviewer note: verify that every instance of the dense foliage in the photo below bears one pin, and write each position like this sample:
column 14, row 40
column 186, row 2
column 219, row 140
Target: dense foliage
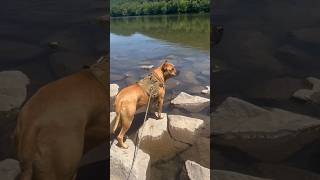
column 155, row 7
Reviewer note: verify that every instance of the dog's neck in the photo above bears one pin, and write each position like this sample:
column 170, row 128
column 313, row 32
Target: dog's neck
column 159, row 75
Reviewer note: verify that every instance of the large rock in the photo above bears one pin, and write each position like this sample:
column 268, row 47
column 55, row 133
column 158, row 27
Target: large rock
column 9, row 169
column 184, row 129
column 121, row 161
column 190, row 103
column 199, row 152
column 229, row 175
column 156, row 140
column 311, row 95
column 13, row 90
column 258, row 131
column 193, row 171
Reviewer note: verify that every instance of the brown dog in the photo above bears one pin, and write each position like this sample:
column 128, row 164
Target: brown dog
column 135, row 96
column 59, row 123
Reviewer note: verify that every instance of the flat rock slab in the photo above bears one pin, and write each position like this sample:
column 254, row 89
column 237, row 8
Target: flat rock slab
column 190, row 103
column 311, row 95
column 9, row 169
column 121, row 161
column 229, row 175
column 156, row 140
column 13, row 90
column 185, row 129
column 258, row 131
column 194, row 171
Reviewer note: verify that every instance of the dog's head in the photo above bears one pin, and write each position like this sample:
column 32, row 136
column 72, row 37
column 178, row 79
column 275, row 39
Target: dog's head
column 168, row 70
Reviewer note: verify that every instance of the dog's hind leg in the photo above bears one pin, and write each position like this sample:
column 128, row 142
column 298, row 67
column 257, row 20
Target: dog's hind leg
column 126, row 119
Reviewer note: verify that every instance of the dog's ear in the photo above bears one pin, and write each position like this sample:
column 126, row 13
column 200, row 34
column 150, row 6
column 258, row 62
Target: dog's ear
column 165, row 62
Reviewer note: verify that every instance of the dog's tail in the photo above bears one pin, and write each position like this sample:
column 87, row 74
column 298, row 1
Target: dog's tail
column 117, row 119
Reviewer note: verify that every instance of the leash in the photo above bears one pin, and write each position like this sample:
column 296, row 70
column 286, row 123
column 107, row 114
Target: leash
column 139, row 140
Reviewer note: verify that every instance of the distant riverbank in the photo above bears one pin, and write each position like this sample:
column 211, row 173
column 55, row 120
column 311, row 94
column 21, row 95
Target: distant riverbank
column 148, row 7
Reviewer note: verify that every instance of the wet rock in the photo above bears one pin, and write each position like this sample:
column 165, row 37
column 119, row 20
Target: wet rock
column 258, row 131
column 117, row 77
column 65, row 63
column 189, row 77
column 121, row 161
column 17, row 52
column 184, row 129
column 172, row 83
column 206, row 91
column 9, row 169
column 146, row 67
column 199, row 152
column 312, row 95
column 311, row 35
column 193, row 171
column 156, row 140
column 190, row 103
column 13, row 90
column 275, row 89
column 275, row 171
column 112, row 120
column 229, row 175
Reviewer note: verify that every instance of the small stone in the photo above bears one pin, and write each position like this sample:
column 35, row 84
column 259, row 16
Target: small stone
column 206, row 91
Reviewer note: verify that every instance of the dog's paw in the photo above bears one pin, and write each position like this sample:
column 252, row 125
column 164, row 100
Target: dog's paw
column 158, row 115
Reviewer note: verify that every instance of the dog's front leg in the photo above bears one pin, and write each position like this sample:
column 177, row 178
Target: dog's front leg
column 160, row 102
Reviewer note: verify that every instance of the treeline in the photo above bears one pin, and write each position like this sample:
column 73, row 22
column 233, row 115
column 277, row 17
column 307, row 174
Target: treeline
column 155, row 7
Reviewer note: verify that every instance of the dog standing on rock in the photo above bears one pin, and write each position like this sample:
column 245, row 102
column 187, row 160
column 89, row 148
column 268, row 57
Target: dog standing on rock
column 133, row 97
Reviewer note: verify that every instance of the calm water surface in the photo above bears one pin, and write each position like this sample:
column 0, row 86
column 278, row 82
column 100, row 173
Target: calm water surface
column 184, row 39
